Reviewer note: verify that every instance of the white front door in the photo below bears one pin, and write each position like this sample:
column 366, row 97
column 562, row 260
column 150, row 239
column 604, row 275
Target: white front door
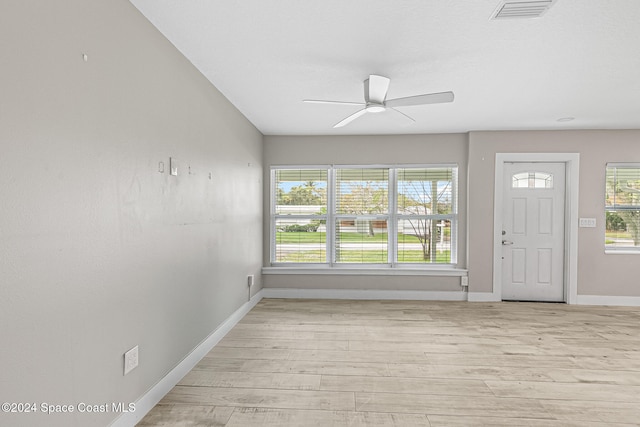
column 533, row 232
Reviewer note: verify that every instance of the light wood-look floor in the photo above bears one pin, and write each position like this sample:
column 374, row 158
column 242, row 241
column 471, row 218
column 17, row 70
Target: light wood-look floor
column 415, row 363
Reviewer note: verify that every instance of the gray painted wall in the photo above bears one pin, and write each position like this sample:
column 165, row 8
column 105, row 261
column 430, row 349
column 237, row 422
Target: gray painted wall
column 100, row 252
column 598, row 273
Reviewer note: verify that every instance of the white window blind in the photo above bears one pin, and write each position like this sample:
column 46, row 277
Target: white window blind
column 299, row 215
column 427, row 211
column 622, row 207
column 373, row 215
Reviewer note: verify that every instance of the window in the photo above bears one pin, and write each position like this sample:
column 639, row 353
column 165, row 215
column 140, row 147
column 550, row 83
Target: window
column 532, row 180
column 622, row 207
column 426, row 212
column 300, row 215
column 361, row 215
column 378, row 216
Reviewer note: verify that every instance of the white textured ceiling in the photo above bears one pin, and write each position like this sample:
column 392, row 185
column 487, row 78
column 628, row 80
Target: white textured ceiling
column 581, row 59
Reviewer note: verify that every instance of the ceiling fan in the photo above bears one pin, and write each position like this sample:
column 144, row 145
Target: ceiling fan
column 375, row 97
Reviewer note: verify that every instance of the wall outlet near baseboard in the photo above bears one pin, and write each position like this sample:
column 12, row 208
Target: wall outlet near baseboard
column 250, row 279
column 464, row 281
column 130, row 360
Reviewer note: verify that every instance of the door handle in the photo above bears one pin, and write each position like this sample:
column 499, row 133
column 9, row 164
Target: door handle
column 507, row 243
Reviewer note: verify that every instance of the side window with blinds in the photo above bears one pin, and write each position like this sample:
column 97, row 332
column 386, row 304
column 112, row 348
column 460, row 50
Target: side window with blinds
column 427, row 211
column 622, row 207
column 299, row 215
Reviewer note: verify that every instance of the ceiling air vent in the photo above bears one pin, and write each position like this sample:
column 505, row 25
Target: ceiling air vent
column 509, row 9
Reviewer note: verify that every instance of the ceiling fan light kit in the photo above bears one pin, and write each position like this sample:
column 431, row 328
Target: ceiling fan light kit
column 375, row 97
column 375, row 108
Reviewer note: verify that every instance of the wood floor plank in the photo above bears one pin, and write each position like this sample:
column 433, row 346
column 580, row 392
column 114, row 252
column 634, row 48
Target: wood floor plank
column 596, row 376
column 256, row 353
column 351, row 319
column 361, row 356
column 187, row 416
column 565, row 391
column 452, row 421
column 514, row 373
column 285, row 344
column 449, row 387
column 295, row 367
column 302, row 335
column 220, row 364
column 398, row 344
column 298, row 327
column 589, row 343
column 204, row 378
column 621, row 363
column 317, row 367
column 514, row 360
column 278, row 418
column 261, row 398
column 450, row 405
column 592, row 411
column 486, row 349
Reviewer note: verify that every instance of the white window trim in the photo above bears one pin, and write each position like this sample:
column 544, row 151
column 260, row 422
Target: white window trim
column 391, row 217
column 274, row 216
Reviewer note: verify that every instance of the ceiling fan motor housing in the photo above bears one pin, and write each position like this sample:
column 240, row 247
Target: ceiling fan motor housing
column 375, row 89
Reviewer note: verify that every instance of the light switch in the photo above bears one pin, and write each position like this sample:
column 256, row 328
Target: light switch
column 587, row 222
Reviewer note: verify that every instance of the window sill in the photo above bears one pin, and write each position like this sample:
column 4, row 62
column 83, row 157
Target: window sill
column 367, row 271
column 622, row 251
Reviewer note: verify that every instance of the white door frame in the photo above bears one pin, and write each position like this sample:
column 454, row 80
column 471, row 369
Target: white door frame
column 572, row 162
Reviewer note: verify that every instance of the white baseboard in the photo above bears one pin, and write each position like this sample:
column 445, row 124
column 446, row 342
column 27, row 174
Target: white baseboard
column 363, row 294
column 484, row 297
column 158, row 391
column 607, row 300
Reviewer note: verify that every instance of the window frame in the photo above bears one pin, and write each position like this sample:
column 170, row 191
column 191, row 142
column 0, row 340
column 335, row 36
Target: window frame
column 274, row 216
column 451, row 217
column 610, row 249
column 392, row 217
column 336, row 217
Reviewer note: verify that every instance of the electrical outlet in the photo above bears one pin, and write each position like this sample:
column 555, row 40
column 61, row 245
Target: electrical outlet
column 464, row 281
column 250, row 280
column 130, row 360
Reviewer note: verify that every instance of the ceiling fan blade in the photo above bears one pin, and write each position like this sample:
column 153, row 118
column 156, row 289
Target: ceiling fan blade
column 404, row 117
column 319, row 101
column 350, row 118
column 375, row 89
column 429, row 98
